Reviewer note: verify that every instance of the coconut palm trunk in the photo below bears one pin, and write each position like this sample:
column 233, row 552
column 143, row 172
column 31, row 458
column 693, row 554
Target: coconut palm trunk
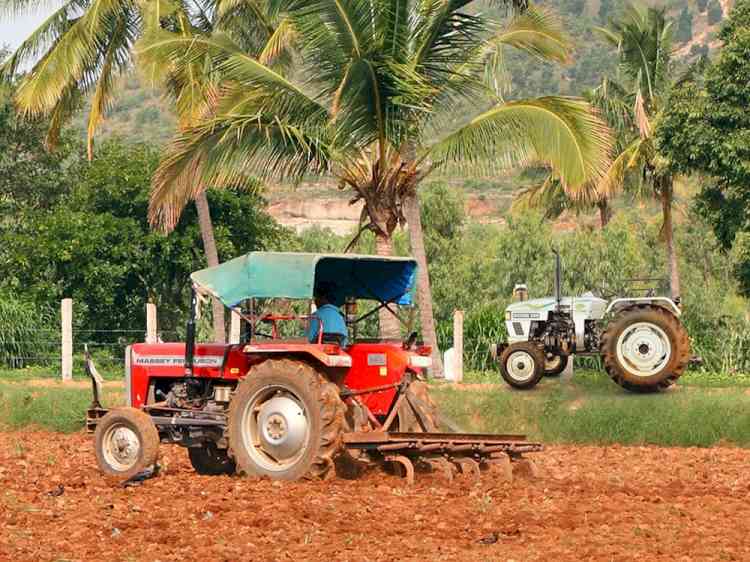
column 390, row 326
column 212, row 257
column 424, row 291
column 605, row 212
column 667, row 189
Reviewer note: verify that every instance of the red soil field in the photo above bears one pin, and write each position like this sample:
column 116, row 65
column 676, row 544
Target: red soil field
column 588, row 503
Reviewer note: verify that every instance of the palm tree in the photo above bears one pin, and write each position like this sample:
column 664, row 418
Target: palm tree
column 383, row 82
column 630, row 104
column 643, row 38
column 82, row 47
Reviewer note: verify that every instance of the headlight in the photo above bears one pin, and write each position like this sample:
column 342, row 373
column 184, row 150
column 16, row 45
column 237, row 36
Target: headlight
column 420, row 361
column 508, row 315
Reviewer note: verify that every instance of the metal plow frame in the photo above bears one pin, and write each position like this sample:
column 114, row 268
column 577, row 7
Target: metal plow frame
column 446, row 452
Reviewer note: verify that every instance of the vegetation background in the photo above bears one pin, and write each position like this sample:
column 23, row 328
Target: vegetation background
column 73, row 228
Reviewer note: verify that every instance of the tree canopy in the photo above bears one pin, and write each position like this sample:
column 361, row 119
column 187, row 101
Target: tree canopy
column 705, row 129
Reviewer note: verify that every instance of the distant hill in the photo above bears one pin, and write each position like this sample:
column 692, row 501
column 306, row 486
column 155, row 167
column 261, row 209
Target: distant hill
column 142, row 113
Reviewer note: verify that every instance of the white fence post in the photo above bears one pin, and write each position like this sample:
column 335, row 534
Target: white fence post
column 66, row 324
column 458, row 344
column 151, row 323
column 234, row 327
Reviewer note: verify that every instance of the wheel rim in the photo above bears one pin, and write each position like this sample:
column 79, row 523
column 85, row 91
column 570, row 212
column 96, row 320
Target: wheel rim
column 643, row 349
column 552, row 362
column 520, row 366
column 121, row 447
column 275, row 428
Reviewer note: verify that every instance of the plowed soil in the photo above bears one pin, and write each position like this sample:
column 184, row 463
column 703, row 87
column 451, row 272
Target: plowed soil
column 588, row 503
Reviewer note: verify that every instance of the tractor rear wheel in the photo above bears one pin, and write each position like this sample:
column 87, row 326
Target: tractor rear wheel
column 286, row 422
column 522, row 365
column 210, row 460
column 554, row 364
column 645, row 349
column 126, row 443
column 426, row 409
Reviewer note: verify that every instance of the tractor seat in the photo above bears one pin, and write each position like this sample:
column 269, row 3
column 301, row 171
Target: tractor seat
column 337, row 339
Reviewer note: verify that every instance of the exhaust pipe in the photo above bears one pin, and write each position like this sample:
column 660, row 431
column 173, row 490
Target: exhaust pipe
column 190, row 335
column 558, row 278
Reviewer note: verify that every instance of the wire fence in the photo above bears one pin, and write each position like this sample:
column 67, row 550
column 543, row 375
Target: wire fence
column 42, row 349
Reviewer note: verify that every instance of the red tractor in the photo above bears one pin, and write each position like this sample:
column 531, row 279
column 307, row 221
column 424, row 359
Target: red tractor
column 287, row 408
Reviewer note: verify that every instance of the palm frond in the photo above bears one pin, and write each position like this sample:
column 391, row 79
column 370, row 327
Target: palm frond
column 40, row 40
column 561, row 132
column 77, row 56
column 103, row 93
column 224, row 153
column 629, row 160
column 279, row 43
column 537, row 32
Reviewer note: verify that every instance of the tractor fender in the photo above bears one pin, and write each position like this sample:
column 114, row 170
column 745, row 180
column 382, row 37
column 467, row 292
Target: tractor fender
column 301, row 350
column 663, row 302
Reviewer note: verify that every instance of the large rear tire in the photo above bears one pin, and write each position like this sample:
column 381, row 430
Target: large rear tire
column 645, row 349
column 286, row 422
column 522, row 365
column 126, row 443
column 426, row 409
column 210, row 460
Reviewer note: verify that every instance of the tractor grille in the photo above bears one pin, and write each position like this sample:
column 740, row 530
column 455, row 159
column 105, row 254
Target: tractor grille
column 518, row 328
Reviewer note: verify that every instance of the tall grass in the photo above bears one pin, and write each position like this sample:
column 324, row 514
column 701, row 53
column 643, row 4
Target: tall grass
column 21, row 326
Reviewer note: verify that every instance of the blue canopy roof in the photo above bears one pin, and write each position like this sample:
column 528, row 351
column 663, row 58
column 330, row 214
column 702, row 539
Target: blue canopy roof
column 295, row 276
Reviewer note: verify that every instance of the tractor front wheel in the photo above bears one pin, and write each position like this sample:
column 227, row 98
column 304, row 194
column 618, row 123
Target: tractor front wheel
column 126, row 443
column 522, row 365
column 286, row 422
column 210, row 460
column 645, row 349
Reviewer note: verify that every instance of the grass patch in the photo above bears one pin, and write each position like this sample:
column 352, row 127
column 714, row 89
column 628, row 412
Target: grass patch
column 111, row 369
column 589, row 409
column 52, row 406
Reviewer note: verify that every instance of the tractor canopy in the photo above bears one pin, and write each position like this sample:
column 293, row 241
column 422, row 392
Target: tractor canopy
column 295, row 276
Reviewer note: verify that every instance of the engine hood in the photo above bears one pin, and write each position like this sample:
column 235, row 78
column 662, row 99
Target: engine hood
column 583, row 303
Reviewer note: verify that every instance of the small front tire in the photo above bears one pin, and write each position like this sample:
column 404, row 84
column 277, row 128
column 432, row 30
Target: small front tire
column 126, row 443
column 522, row 365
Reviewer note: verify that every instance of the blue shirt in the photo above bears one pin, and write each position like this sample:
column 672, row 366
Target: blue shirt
column 333, row 323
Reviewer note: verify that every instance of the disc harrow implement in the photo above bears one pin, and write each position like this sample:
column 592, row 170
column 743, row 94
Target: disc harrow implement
column 449, row 453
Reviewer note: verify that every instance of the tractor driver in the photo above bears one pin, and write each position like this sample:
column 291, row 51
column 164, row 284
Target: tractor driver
column 327, row 314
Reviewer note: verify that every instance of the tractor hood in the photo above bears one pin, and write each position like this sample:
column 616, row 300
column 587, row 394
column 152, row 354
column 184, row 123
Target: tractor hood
column 585, row 303
column 295, row 275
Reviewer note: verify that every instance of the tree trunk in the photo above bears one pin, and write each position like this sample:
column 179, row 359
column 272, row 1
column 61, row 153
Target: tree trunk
column 666, row 207
column 605, row 212
column 212, row 257
column 424, row 292
column 390, row 326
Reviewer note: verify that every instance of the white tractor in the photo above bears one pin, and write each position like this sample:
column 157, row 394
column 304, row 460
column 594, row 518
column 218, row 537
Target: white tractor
column 643, row 344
